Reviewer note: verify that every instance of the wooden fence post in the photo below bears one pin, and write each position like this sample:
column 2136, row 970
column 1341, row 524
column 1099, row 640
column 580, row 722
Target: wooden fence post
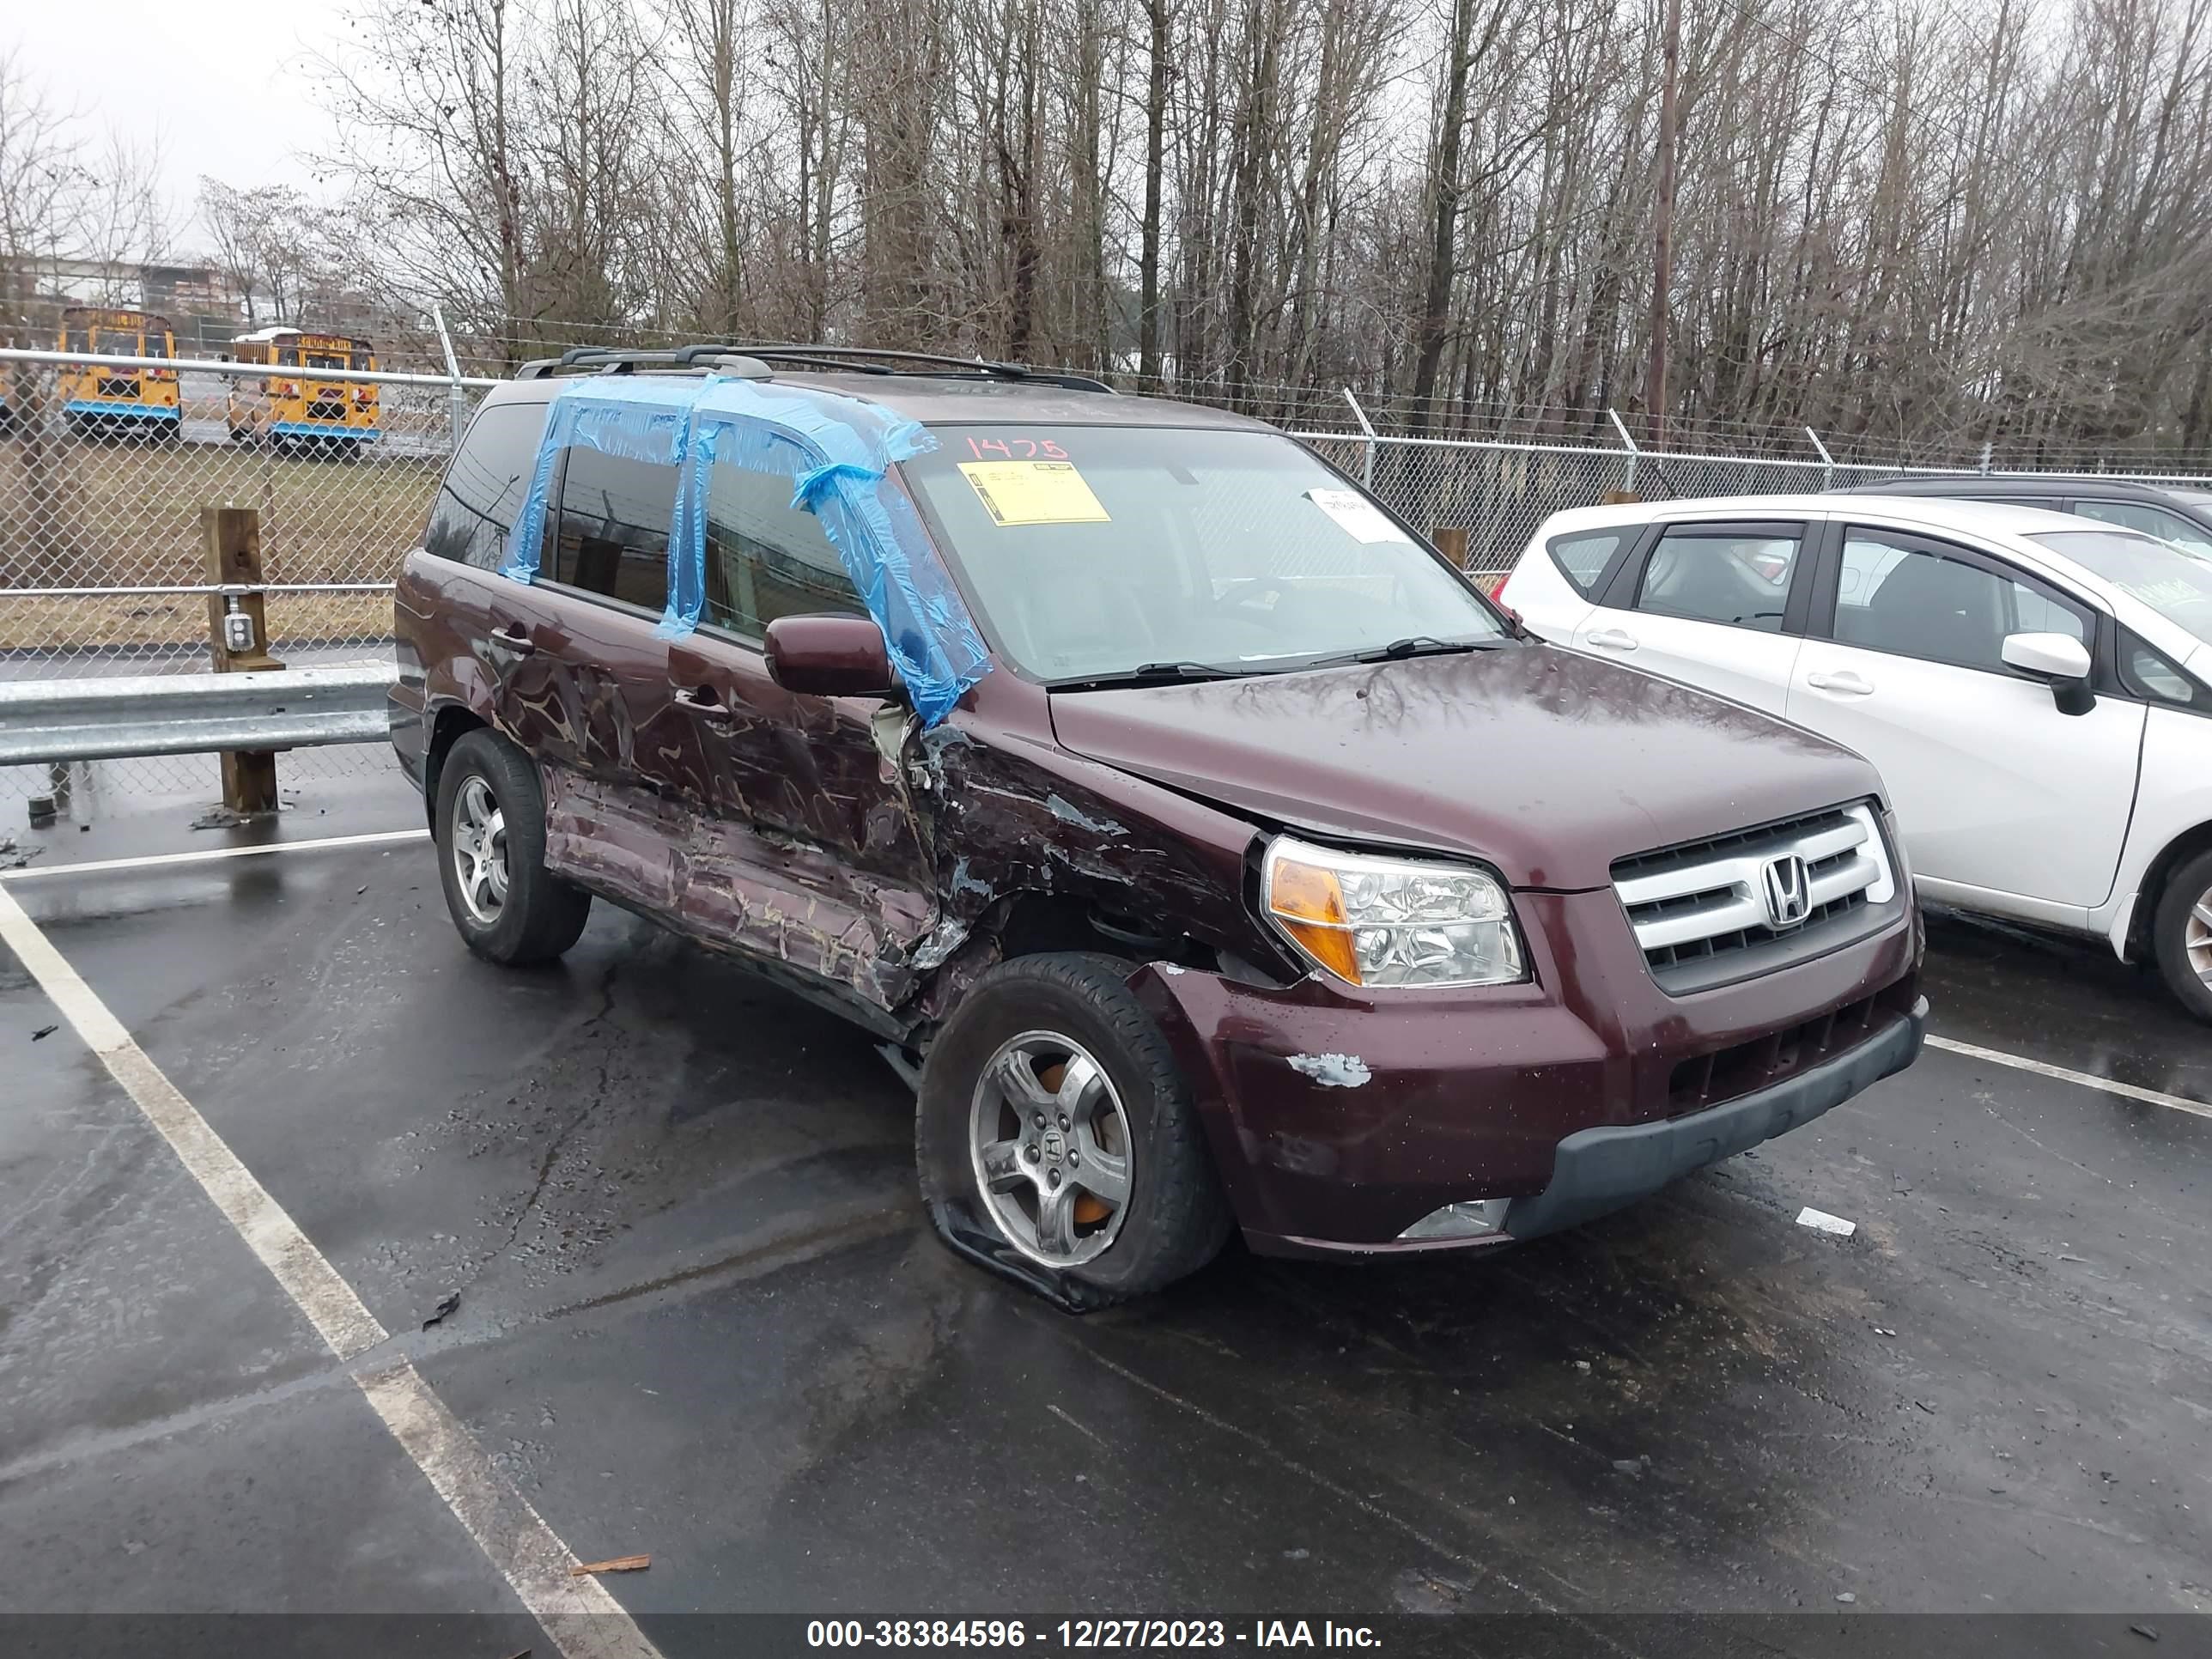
column 237, row 633
column 1451, row 542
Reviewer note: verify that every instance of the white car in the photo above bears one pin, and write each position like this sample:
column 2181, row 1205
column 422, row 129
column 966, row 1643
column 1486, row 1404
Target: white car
column 2036, row 691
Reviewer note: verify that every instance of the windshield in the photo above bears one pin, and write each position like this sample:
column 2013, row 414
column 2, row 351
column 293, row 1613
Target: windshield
column 2171, row 582
column 1094, row 552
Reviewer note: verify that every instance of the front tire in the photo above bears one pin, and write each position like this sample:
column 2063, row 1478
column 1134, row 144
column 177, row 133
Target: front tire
column 2181, row 935
column 491, row 856
column 1052, row 1120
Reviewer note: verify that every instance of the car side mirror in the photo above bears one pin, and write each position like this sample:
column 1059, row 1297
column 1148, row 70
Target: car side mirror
column 2060, row 660
column 830, row 656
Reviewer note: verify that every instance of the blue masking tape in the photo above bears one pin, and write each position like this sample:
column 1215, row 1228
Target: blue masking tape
column 847, row 447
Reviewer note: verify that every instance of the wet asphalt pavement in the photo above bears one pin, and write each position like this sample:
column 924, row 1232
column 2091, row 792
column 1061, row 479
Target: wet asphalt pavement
column 700, row 1314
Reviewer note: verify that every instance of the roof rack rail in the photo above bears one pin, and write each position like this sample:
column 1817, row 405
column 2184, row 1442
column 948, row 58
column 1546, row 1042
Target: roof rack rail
column 872, row 360
column 753, row 361
column 617, row 360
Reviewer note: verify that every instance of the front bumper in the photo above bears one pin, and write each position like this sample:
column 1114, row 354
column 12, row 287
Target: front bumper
column 1337, row 1119
column 1598, row 1171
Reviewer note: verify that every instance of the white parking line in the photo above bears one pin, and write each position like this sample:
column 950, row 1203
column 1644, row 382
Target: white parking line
column 208, row 855
column 583, row 1619
column 2129, row 1090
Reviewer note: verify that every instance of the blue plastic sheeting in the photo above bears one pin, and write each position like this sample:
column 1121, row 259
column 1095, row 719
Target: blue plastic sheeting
column 847, row 447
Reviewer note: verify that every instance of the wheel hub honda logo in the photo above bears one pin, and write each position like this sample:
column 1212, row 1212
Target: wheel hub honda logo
column 1787, row 890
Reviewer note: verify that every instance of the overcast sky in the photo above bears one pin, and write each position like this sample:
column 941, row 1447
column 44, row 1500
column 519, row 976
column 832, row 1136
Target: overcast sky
column 224, row 84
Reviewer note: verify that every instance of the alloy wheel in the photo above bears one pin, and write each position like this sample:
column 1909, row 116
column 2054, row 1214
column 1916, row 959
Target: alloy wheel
column 1051, row 1144
column 480, row 850
column 2196, row 936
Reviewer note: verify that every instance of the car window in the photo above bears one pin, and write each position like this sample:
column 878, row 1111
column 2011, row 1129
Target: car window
column 1742, row 580
column 481, row 491
column 1582, row 559
column 2148, row 674
column 613, row 535
column 2159, row 575
column 766, row 558
column 2153, row 520
column 1096, row 550
column 1911, row 602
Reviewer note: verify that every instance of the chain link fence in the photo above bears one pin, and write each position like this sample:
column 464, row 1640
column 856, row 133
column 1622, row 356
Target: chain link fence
column 102, row 569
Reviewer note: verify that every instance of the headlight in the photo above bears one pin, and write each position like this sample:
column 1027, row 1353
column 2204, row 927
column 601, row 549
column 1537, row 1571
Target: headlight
column 1374, row 921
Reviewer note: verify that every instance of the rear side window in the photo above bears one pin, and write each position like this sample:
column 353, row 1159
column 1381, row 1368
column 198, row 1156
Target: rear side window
column 1741, row 580
column 613, row 534
column 766, row 558
column 483, row 490
column 1582, row 559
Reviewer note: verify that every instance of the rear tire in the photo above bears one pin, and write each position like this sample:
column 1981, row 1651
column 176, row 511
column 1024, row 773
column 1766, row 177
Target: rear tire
column 2181, row 935
column 1053, row 1119
column 491, row 856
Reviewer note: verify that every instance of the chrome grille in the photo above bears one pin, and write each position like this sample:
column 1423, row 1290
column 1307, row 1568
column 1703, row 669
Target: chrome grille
column 1700, row 911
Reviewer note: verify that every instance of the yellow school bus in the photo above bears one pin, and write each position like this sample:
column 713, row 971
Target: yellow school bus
column 143, row 401
column 296, row 407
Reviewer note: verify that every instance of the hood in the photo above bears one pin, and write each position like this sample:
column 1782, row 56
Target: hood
column 1546, row 764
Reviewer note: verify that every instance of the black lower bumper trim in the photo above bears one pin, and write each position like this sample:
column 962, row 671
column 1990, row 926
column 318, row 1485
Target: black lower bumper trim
column 1599, row 1171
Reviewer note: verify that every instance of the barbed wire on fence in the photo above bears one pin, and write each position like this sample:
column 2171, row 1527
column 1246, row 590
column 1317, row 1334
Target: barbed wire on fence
column 102, row 569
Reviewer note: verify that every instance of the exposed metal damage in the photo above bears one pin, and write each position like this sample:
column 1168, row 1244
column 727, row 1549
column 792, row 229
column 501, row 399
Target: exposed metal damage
column 1333, row 1071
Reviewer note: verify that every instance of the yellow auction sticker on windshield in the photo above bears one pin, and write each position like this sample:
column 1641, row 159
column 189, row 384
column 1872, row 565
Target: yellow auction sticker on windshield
column 1033, row 492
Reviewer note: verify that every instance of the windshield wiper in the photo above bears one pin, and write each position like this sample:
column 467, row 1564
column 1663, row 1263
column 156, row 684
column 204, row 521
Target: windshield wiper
column 1422, row 645
column 1153, row 673
column 1416, row 645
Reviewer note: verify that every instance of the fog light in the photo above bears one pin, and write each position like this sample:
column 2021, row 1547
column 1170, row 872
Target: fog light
column 1469, row 1219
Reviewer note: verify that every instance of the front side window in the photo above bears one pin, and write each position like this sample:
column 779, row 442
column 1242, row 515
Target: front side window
column 2162, row 522
column 2148, row 674
column 766, row 558
column 1911, row 601
column 612, row 538
column 1097, row 550
column 1741, row 580
column 481, row 491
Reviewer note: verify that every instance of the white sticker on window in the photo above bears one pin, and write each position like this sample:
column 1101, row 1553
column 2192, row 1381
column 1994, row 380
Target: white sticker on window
column 1356, row 516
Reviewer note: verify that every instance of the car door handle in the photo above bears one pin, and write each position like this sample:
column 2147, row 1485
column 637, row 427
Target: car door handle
column 1611, row 639
column 1843, row 680
column 514, row 640
column 703, row 703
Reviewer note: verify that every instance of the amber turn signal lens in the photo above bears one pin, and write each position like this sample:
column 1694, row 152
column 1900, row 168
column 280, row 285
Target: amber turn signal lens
column 1308, row 900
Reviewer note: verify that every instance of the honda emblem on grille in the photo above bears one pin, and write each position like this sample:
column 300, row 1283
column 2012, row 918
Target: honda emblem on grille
column 1787, row 890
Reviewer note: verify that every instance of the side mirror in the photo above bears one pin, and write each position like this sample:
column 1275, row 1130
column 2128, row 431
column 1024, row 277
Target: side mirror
column 2058, row 659
column 830, row 656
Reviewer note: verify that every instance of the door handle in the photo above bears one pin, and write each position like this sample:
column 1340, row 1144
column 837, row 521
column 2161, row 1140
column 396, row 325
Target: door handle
column 514, row 640
column 703, row 703
column 1611, row 639
column 1842, row 680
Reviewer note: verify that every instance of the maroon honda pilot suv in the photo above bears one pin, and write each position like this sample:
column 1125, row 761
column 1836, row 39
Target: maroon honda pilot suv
column 1207, row 851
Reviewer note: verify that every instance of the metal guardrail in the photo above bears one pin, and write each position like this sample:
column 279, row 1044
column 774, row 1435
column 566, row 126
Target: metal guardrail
column 43, row 720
